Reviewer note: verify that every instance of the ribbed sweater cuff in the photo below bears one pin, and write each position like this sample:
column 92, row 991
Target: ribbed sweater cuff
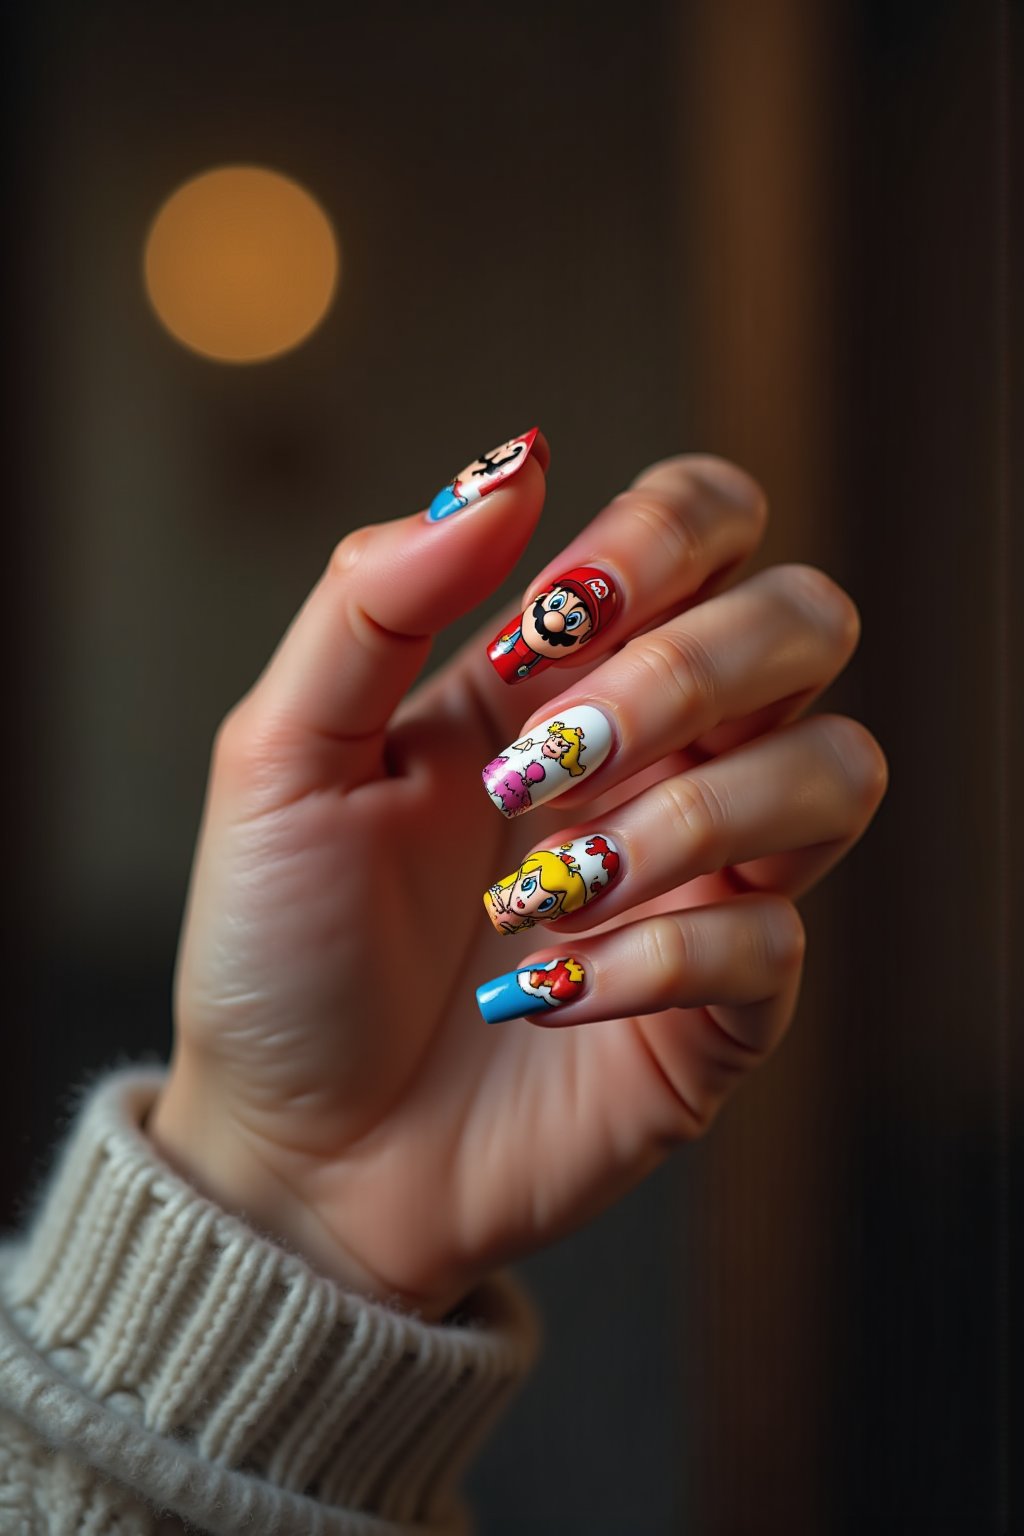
column 215, row 1373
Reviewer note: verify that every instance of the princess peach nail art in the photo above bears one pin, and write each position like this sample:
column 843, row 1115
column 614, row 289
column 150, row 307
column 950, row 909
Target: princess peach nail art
column 480, row 477
column 551, row 883
column 555, row 754
column 534, row 989
column 574, row 608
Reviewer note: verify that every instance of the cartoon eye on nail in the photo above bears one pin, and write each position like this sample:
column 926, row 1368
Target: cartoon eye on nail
column 557, row 622
column 564, row 744
column 551, row 883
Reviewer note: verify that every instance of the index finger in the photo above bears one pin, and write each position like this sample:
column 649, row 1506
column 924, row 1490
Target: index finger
column 675, row 533
column 365, row 630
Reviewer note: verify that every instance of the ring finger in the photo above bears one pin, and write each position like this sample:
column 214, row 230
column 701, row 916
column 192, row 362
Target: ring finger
column 807, row 785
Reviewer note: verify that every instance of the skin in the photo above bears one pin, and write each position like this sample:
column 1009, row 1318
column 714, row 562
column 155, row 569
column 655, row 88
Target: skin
column 331, row 1079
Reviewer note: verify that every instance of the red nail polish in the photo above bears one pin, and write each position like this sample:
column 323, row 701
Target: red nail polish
column 562, row 619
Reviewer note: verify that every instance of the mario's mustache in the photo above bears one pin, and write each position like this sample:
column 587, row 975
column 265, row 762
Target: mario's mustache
column 553, row 637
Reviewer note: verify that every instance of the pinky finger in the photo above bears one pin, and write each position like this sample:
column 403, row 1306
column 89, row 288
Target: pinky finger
column 742, row 957
column 702, row 997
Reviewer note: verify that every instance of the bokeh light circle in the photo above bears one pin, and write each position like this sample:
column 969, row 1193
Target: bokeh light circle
column 241, row 264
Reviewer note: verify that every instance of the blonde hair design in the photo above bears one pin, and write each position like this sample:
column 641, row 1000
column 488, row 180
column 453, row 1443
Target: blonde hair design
column 558, row 872
column 573, row 736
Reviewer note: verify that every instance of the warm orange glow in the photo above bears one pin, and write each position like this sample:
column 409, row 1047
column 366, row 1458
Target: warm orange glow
column 241, row 264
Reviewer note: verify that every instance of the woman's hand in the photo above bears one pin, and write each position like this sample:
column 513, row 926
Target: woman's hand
column 332, row 1078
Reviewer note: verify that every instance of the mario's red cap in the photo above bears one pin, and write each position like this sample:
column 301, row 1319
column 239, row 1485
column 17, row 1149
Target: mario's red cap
column 596, row 591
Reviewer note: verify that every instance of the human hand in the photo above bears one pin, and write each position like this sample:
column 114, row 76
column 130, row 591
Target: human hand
column 331, row 1077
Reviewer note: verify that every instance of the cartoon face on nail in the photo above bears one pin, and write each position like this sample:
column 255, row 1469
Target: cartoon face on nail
column 529, row 898
column 551, row 883
column 559, row 620
column 481, row 476
column 543, row 764
column 534, row 989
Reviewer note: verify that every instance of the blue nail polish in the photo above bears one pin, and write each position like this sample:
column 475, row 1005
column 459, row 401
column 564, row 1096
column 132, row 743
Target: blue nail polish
column 535, row 989
column 485, row 474
column 444, row 504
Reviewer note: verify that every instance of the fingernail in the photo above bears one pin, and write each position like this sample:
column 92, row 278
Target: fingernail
column 552, row 883
column 555, row 754
column 574, row 608
column 535, row 989
column 484, row 474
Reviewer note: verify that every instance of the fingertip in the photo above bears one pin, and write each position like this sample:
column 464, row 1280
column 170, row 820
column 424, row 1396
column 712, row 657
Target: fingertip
column 486, row 474
column 541, row 451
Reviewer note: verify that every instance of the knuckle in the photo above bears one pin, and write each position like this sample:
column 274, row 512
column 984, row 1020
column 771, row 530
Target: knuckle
column 697, row 816
column 669, row 522
column 243, row 746
column 732, row 483
column 682, row 673
column 861, row 761
column 688, row 478
column 824, row 602
column 231, row 738
column 750, row 954
column 762, row 951
column 348, row 552
column 668, row 955
column 672, row 476
column 784, row 935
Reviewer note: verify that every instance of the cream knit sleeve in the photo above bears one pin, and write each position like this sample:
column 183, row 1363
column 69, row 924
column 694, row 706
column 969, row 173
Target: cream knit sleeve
column 165, row 1367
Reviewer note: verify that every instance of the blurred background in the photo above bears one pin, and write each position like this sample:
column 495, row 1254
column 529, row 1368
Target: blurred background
column 782, row 231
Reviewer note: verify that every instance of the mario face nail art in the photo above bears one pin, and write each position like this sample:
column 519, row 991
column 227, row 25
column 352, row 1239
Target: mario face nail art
column 483, row 475
column 572, row 610
column 535, row 989
column 554, row 755
column 551, row 883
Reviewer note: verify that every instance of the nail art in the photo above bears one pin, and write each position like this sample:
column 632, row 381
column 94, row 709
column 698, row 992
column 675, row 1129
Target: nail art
column 485, row 474
column 555, row 754
column 572, row 610
column 551, row 883
column 536, row 989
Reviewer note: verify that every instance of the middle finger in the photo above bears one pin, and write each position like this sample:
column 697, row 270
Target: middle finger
column 787, row 631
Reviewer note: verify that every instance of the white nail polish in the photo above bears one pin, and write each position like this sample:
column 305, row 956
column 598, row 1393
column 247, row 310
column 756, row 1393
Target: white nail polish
column 552, row 756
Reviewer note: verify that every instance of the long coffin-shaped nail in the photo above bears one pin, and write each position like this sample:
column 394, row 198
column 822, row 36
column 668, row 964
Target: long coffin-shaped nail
column 571, row 610
column 484, row 474
column 535, row 989
column 554, row 755
column 551, row 883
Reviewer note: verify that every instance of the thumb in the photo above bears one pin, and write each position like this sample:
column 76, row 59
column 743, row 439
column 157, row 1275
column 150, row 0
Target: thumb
column 364, row 632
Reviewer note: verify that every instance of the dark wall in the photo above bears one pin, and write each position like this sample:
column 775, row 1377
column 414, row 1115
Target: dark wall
column 783, row 232
column 933, row 274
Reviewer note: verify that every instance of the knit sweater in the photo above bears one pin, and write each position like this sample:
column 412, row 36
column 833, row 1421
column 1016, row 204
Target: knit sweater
column 165, row 1367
